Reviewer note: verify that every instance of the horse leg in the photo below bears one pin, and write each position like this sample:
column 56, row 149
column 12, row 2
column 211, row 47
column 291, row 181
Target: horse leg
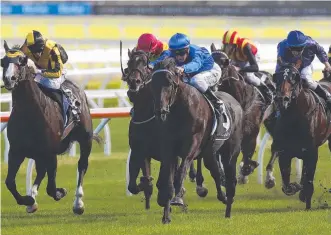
column 135, row 165
column 308, row 185
column 146, row 182
column 231, row 181
column 14, row 163
column 182, row 171
column 192, row 173
column 302, row 196
column 285, row 169
column 165, row 186
column 201, row 191
column 270, row 179
column 41, row 172
column 248, row 148
column 211, row 164
column 85, row 151
column 52, row 191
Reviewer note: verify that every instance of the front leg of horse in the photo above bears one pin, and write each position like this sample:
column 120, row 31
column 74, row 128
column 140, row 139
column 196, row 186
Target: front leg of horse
column 41, row 172
column 85, row 150
column 285, row 168
column 231, row 182
column 135, row 164
column 270, row 179
column 146, row 182
column 14, row 163
column 192, row 173
column 52, row 191
column 310, row 162
column 248, row 166
column 200, row 189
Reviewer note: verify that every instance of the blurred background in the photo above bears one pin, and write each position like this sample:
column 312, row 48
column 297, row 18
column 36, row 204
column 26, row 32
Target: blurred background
column 83, row 26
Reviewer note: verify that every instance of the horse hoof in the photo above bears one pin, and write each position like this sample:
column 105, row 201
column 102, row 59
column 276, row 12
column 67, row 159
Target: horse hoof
column 242, row 180
column 166, row 220
column 177, row 201
column 202, row 191
column 27, row 201
column 60, row 193
column 291, row 189
column 78, row 210
column 32, row 209
column 270, row 183
column 221, row 197
column 302, row 196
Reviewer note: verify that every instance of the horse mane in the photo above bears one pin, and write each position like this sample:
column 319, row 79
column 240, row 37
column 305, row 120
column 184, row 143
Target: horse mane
column 168, row 63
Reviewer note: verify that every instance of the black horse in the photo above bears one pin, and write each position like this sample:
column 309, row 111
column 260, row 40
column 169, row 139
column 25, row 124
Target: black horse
column 185, row 123
column 36, row 130
column 303, row 125
column 253, row 103
column 143, row 135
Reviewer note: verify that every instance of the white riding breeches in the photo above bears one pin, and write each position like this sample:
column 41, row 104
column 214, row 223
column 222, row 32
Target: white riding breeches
column 307, row 75
column 54, row 83
column 202, row 81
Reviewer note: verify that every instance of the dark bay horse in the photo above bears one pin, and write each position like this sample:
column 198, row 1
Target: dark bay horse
column 143, row 135
column 36, row 130
column 253, row 104
column 185, row 122
column 304, row 124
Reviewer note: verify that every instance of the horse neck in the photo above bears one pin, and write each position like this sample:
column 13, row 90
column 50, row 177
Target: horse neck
column 305, row 102
column 27, row 98
column 143, row 104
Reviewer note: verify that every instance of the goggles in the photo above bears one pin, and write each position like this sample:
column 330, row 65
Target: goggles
column 180, row 52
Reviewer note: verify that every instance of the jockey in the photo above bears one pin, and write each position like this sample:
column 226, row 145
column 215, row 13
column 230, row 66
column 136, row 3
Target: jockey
column 197, row 63
column 301, row 50
column 150, row 44
column 49, row 58
column 244, row 55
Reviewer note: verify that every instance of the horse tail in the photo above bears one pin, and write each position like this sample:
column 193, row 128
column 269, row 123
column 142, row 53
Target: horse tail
column 98, row 139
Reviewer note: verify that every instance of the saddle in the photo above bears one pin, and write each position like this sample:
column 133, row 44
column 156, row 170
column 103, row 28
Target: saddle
column 66, row 100
column 220, row 132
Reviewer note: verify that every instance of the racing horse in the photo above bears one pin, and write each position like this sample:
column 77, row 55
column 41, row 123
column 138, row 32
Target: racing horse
column 303, row 125
column 143, row 138
column 253, row 104
column 185, row 123
column 36, row 129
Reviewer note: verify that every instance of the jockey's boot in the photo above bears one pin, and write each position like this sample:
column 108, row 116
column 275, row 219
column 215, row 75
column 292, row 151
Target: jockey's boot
column 218, row 104
column 324, row 94
column 73, row 103
column 266, row 92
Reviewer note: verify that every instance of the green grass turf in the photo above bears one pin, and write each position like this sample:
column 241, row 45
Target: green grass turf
column 108, row 210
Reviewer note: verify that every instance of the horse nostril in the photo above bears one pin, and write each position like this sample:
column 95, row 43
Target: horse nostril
column 286, row 99
column 138, row 82
column 13, row 78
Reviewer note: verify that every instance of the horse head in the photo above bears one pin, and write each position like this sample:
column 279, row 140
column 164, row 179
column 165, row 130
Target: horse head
column 138, row 72
column 14, row 65
column 165, row 83
column 288, row 86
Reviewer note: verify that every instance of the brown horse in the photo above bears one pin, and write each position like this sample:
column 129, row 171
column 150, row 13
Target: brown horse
column 253, row 104
column 304, row 124
column 185, row 124
column 143, row 135
column 36, row 130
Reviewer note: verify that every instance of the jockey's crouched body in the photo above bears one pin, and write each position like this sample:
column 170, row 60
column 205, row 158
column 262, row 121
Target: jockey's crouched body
column 197, row 63
column 49, row 58
column 300, row 50
column 244, row 55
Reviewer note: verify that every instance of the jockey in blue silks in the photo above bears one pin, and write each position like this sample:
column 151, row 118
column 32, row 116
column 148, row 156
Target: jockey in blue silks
column 300, row 50
column 197, row 63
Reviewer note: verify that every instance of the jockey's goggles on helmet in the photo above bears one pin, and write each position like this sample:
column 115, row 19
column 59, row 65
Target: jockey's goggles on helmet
column 180, row 52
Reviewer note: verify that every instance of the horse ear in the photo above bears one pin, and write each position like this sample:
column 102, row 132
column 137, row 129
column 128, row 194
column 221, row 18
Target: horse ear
column 129, row 53
column 212, row 47
column 5, row 45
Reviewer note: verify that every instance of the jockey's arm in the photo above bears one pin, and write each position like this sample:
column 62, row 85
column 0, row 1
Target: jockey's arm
column 56, row 72
column 253, row 66
column 321, row 54
column 164, row 55
column 329, row 54
column 195, row 64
